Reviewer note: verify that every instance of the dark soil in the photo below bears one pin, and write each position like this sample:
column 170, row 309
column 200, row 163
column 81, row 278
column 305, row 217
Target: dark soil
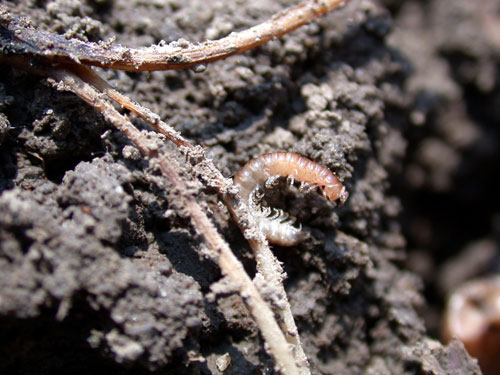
column 100, row 269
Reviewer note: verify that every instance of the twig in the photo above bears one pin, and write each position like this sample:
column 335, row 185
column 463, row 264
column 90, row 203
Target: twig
column 176, row 55
column 267, row 264
column 217, row 247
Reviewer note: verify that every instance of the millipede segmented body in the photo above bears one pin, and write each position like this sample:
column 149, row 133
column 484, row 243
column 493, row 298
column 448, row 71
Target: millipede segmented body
column 265, row 170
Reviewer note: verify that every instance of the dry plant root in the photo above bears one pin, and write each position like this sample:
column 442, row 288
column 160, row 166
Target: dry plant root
column 216, row 246
column 266, row 169
column 176, row 55
column 267, row 264
column 65, row 61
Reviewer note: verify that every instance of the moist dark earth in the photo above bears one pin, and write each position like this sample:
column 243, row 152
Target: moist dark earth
column 100, row 269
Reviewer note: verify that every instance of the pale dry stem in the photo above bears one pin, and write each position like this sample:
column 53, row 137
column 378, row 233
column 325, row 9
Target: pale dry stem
column 267, row 264
column 218, row 248
column 176, row 55
column 180, row 55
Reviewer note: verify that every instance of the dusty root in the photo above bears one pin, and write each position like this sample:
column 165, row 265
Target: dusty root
column 216, row 246
column 62, row 62
column 177, row 55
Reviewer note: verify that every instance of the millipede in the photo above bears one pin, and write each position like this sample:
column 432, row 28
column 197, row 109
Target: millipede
column 265, row 170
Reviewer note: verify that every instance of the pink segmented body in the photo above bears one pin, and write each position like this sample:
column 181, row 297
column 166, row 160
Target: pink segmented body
column 286, row 164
